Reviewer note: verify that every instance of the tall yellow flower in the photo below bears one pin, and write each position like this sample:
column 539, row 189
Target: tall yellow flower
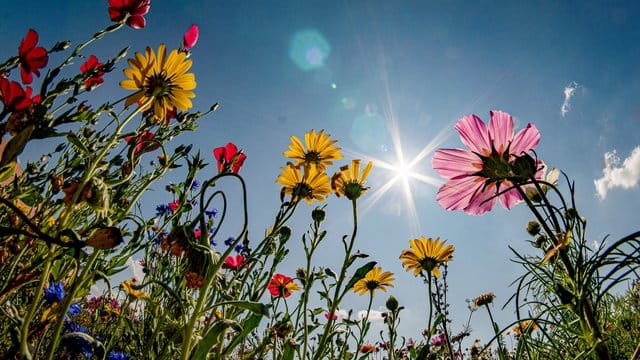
column 374, row 280
column 319, row 151
column 127, row 287
column 162, row 78
column 426, row 255
column 312, row 186
column 349, row 182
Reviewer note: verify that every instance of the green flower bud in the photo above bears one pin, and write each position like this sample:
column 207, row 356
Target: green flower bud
column 533, row 228
column 318, row 214
column 392, row 303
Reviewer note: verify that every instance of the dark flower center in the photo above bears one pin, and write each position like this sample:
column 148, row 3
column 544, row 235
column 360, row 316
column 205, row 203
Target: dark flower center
column 311, row 157
column 302, row 190
column 158, row 85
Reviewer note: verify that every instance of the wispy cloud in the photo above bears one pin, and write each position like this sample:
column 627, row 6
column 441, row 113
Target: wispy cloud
column 625, row 175
column 569, row 91
column 136, row 268
column 374, row 315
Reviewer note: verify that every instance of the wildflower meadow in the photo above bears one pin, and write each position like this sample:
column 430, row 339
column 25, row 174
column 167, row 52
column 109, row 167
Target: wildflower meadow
column 73, row 218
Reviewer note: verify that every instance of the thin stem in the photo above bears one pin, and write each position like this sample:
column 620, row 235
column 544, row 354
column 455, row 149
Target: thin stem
column 496, row 330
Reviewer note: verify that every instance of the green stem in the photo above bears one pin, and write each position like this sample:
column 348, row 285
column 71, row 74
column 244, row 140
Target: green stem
column 496, row 330
column 337, row 296
column 429, row 329
column 365, row 324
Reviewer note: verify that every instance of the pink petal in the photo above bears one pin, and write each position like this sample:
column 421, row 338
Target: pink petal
column 473, row 133
column 453, row 163
column 482, row 201
column 525, row 140
column 500, row 130
column 191, row 37
column 510, row 198
column 456, row 194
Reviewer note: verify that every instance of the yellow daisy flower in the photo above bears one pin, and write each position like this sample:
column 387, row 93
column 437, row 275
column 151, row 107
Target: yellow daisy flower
column 320, row 151
column 426, row 255
column 127, row 287
column 374, row 280
column 161, row 78
column 524, row 327
column 349, row 182
column 313, row 186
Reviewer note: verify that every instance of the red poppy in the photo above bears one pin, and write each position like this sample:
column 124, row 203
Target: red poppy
column 282, row 286
column 143, row 142
column 234, row 262
column 91, row 66
column 190, row 37
column 229, row 158
column 14, row 97
column 32, row 57
column 131, row 10
column 174, row 205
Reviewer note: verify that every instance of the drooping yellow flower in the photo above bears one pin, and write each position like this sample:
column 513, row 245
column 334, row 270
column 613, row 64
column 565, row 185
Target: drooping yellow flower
column 319, row 151
column 349, row 181
column 162, row 78
column 127, row 287
column 426, row 255
column 310, row 187
column 374, row 280
column 524, row 327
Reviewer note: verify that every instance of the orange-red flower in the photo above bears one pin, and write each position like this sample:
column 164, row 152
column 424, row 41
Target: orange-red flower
column 143, row 142
column 91, row 66
column 32, row 57
column 234, row 262
column 14, row 97
column 368, row 348
column 282, row 286
column 131, row 10
column 229, row 158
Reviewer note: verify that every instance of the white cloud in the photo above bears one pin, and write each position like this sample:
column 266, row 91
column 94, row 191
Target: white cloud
column 374, row 315
column 569, row 91
column 625, row 176
column 136, row 268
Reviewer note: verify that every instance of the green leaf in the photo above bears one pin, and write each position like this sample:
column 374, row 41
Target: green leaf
column 7, row 171
column 212, row 338
column 289, row 350
column 360, row 273
column 15, row 146
column 247, row 327
column 75, row 140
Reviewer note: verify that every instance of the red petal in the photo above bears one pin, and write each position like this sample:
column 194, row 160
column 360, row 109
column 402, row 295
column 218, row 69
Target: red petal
column 136, row 22
column 28, row 42
column 190, row 37
column 230, row 152
column 25, row 75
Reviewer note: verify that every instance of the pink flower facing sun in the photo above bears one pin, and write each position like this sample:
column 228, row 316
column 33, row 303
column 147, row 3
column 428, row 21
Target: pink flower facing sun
column 494, row 161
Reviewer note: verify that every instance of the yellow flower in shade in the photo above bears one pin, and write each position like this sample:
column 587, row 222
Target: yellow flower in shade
column 312, row 186
column 374, row 280
column 127, row 287
column 524, row 327
column 162, row 78
column 349, row 181
column 320, row 151
column 426, row 255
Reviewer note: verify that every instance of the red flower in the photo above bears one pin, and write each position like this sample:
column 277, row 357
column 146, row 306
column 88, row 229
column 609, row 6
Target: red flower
column 190, row 37
column 14, row 97
column 131, row 10
column 174, row 205
column 197, row 233
column 281, row 286
column 143, row 142
column 32, row 57
column 229, row 158
column 234, row 262
column 368, row 348
column 91, row 66
column 326, row 316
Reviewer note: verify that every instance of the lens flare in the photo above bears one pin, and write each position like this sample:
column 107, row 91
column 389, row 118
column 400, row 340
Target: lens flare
column 309, row 49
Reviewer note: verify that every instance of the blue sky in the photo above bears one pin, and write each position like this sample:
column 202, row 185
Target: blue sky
column 372, row 68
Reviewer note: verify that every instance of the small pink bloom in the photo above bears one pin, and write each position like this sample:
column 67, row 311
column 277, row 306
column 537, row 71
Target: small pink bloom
column 190, row 37
column 327, row 315
column 234, row 262
column 32, row 57
column 229, row 158
column 476, row 175
column 197, row 233
column 89, row 65
column 438, row 340
column 132, row 10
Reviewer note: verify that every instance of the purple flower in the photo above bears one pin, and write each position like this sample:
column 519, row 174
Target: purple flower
column 54, row 293
column 229, row 241
column 211, row 213
column 163, row 209
column 74, row 309
column 239, row 248
column 117, row 355
column 195, row 185
column 77, row 344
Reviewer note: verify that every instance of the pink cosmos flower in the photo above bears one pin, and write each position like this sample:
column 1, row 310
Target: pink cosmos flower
column 32, row 57
column 234, row 262
column 229, row 158
column 132, row 10
column 438, row 340
column 190, row 37
column 493, row 160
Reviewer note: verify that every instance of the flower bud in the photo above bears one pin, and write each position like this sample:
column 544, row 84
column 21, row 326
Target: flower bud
column 284, row 233
column 392, row 303
column 61, row 45
column 533, row 228
column 318, row 214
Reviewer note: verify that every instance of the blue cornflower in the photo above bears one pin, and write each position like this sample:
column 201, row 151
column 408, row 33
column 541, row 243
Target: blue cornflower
column 77, row 344
column 211, row 213
column 74, row 309
column 117, row 355
column 213, row 242
column 54, row 293
column 195, row 185
column 239, row 248
column 229, row 241
column 163, row 209
column 158, row 239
